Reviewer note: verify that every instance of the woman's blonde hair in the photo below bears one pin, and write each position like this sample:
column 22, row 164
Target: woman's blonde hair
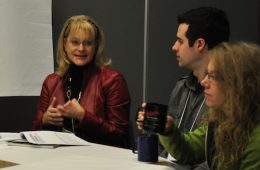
column 86, row 24
column 238, row 65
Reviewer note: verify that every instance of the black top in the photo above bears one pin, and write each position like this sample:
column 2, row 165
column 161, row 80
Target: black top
column 73, row 83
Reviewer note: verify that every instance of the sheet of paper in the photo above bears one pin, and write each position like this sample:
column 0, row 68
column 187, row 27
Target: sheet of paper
column 6, row 136
column 53, row 138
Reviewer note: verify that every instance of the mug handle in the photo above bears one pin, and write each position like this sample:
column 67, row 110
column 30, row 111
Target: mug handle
column 134, row 147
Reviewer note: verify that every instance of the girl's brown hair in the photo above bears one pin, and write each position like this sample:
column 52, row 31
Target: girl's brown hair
column 238, row 64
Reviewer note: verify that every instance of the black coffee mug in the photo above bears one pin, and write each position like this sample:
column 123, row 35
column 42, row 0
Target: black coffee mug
column 154, row 117
column 147, row 148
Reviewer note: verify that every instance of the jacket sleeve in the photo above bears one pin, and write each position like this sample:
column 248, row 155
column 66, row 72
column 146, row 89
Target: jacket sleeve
column 112, row 125
column 251, row 157
column 43, row 104
column 186, row 148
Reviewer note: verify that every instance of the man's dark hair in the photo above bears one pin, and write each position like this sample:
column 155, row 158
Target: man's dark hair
column 208, row 23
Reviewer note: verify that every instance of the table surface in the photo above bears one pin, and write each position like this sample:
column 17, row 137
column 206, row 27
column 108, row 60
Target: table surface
column 94, row 157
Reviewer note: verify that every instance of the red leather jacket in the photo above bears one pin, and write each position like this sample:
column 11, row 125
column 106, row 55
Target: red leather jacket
column 106, row 102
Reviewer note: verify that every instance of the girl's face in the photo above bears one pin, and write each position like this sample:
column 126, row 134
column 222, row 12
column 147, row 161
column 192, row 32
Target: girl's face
column 213, row 91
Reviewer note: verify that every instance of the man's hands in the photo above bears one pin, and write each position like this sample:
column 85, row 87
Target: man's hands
column 141, row 116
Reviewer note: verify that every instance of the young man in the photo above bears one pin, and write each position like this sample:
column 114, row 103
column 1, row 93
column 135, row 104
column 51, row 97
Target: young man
column 199, row 31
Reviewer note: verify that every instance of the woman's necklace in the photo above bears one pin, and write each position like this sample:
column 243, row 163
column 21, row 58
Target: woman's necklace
column 68, row 94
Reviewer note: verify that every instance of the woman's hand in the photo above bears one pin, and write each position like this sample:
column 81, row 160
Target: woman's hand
column 52, row 115
column 72, row 109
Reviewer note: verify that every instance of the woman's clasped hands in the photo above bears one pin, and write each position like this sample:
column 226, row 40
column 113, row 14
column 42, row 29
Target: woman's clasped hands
column 55, row 112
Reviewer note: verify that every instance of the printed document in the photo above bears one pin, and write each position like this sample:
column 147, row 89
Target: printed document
column 53, row 138
column 42, row 139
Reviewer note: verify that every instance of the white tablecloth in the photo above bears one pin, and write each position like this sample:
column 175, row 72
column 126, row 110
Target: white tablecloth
column 93, row 157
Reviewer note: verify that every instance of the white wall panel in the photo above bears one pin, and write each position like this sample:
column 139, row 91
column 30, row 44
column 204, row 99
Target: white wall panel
column 26, row 51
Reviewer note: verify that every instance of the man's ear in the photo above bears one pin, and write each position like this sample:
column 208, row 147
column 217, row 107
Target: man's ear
column 200, row 44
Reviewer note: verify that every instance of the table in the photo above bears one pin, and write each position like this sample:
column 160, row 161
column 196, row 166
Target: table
column 93, row 157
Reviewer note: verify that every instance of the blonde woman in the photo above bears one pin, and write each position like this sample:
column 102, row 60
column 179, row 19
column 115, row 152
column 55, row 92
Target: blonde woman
column 84, row 95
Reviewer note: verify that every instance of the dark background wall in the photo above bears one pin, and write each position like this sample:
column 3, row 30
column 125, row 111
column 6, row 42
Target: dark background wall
column 163, row 70
column 123, row 24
